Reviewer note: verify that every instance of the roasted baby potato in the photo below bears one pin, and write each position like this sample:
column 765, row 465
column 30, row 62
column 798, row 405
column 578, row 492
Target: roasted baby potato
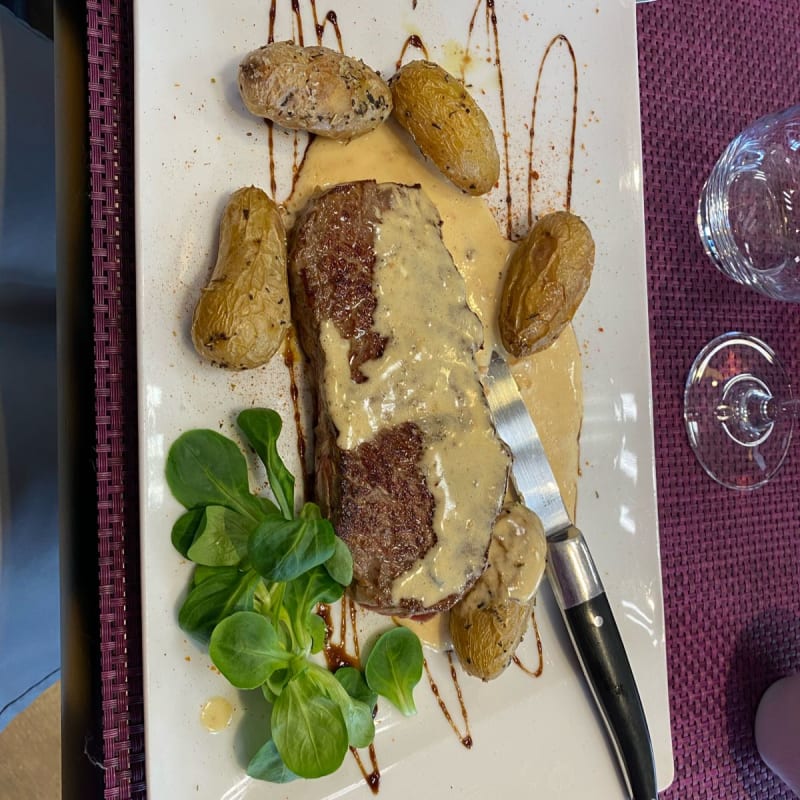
column 313, row 89
column 243, row 314
column 447, row 125
column 547, row 277
column 488, row 623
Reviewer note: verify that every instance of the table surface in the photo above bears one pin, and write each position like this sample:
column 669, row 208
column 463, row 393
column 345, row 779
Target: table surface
column 730, row 560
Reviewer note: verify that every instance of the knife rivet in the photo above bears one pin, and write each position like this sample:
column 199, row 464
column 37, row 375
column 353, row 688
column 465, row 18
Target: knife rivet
column 598, row 621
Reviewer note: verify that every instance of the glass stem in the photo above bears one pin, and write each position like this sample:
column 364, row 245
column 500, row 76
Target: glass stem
column 789, row 406
column 754, row 409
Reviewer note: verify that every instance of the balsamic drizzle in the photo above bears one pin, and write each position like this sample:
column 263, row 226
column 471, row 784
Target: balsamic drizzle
column 534, row 673
column 532, row 175
column 466, row 737
column 414, row 40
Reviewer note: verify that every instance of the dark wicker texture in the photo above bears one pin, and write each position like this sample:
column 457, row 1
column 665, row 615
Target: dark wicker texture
column 731, row 561
column 110, row 38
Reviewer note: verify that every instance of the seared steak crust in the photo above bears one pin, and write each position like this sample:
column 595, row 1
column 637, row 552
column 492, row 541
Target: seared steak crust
column 386, row 510
column 332, row 268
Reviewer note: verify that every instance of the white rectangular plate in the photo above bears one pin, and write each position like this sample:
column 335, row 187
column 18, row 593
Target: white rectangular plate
column 195, row 144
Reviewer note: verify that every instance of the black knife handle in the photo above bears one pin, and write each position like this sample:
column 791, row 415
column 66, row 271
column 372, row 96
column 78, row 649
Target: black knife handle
column 580, row 595
column 597, row 641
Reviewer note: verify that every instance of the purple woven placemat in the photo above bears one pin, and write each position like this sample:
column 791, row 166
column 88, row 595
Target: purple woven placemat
column 110, row 85
column 730, row 560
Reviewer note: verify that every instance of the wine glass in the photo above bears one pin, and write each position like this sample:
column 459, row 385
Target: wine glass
column 739, row 410
column 748, row 215
column 738, row 404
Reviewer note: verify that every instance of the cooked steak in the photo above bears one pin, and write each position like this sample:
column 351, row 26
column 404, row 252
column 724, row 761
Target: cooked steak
column 383, row 428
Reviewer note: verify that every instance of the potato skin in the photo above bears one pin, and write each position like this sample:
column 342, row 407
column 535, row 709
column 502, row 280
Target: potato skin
column 447, row 125
column 486, row 639
column 488, row 623
column 243, row 314
column 314, row 89
column 547, row 277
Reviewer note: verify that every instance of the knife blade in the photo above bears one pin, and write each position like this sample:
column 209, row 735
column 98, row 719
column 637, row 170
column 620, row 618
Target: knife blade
column 576, row 585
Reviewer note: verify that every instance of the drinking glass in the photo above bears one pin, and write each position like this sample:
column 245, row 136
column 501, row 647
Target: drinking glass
column 739, row 410
column 748, row 215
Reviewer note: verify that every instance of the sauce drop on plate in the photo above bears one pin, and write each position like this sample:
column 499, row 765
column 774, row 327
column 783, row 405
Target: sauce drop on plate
column 216, row 714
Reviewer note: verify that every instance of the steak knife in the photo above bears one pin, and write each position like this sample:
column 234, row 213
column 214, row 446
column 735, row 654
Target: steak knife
column 576, row 585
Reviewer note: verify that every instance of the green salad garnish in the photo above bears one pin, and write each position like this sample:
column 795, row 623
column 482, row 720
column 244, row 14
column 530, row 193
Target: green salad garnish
column 261, row 572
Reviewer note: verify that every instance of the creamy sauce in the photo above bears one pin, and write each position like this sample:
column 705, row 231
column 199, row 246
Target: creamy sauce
column 517, row 556
column 426, row 375
column 433, row 632
column 216, row 714
column 550, row 381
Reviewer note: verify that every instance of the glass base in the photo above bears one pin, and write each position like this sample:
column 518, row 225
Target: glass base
column 726, row 403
